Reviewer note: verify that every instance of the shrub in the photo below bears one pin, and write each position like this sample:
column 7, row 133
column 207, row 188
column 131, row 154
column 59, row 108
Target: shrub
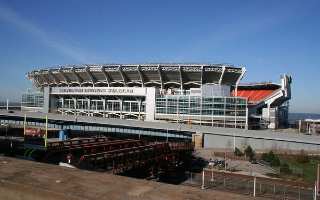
column 275, row 162
column 302, row 157
column 238, row 152
column 271, row 158
column 284, row 168
column 249, row 152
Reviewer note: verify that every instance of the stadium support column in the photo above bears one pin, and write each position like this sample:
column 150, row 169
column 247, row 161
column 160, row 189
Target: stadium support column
column 62, row 105
column 49, row 101
column 104, row 107
column 46, row 99
column 150, row 103
column 243, row 71
column 181, row 79
column 247, row 116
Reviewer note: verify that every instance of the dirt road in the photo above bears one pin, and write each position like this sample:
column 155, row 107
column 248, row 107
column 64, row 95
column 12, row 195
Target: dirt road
column 27, row 180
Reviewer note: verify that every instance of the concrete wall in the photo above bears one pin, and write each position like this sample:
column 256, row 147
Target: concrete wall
column 261, row 144
column 150, row 104
column 46, row 100
column 215, row 90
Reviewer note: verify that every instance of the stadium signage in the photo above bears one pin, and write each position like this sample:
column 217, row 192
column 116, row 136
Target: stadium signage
column 123, row 91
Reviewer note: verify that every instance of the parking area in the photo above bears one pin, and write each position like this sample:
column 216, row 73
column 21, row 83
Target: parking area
column 229, row 163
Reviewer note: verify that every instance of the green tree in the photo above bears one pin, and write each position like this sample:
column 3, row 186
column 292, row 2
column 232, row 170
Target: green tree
column 238, row 152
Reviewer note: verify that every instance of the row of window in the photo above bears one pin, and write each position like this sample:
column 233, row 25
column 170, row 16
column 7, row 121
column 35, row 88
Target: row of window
column 32, row 100
column 191, row 105
column 82, row 104
column 205, row 100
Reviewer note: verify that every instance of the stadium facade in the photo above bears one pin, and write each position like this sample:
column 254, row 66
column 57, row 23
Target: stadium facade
column 206, row 94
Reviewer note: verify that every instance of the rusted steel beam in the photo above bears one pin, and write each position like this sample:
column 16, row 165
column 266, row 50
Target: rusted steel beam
column 126, row 158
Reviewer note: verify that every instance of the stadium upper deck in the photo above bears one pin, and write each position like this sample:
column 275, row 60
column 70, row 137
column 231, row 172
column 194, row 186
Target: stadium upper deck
column 183, row 76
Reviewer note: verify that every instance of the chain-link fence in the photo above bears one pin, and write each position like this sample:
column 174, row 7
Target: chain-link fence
column 251, row 185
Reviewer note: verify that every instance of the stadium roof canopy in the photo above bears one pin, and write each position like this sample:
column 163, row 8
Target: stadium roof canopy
column 138, row 75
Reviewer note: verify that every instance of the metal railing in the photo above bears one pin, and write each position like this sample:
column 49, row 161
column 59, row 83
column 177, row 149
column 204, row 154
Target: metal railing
column 251, row 185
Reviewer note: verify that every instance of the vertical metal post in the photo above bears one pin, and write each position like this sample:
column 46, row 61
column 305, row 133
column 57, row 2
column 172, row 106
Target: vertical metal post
column 212, row 175
column 24, row 124
column 46, row 133
column 247, row 115
column 318, row 181
column 167, row 135
column 235, row 111
column 224, row 112
column 225, row 160
column 254, row 186
column 202, row 186
column 234, row 142
column 7, row 104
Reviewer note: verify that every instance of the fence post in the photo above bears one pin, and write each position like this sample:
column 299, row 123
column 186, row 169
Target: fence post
column 254, row 186
column 202, row 186
column 317, row 184
column 315, row 191
column 212, row 175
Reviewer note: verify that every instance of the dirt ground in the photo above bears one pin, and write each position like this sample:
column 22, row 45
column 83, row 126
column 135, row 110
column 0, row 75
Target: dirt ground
column 28, row 180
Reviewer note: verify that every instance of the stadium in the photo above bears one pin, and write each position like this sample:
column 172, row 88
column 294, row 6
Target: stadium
column 203, row 94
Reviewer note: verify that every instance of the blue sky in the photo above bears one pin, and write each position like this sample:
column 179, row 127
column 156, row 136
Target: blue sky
column 268, row 37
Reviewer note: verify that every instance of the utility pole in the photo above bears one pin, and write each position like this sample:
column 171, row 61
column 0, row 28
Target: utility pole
column 7, row 104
